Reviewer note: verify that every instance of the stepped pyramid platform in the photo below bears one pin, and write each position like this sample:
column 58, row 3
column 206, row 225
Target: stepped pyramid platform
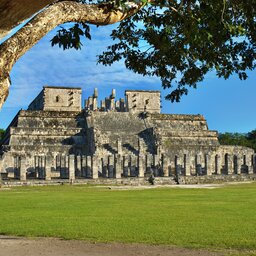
column 55, row 138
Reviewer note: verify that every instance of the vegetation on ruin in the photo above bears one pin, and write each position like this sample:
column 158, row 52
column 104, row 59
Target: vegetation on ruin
column 239, row 139
column 179, row 41
column 2, row 131
column 221, row 218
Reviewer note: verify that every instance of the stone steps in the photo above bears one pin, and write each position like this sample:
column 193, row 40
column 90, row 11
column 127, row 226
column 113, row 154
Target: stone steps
column 118, row 122
column 28, row 131
column 53, row 123
column 45, row 140
column 40, row 148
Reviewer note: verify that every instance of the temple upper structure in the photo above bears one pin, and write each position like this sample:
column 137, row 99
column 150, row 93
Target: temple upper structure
column 134, row 102
column 57, row 138
column 57, row 99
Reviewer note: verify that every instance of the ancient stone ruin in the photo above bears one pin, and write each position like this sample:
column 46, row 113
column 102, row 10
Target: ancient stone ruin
column 117, row 139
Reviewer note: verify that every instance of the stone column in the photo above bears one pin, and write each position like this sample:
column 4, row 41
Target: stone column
column 141, row 165
column 133, row 166
column 117, row 106
column 107, row 103
column 254, row 163
column 111, row 165
column 23, row 169
column 48, row 167
column 71, row 173
column 165, row 166
column 239, row 161
column 218, row 164
column 126, row 166
column 95, row 168
column 57, row 163
column 78, row 166
column 95, row 99
column 90, row 103
column 119, row 146
column 250, row 164
column 118, row 167
column 83, row 166
column 122, row 105
column 40, row 167
column 178, row 165
column 141, row 146
column 187, row 164
column 112, row 99
column 36, row 166
column 94, row 103
column 148, row 164
column 198, row 165
column 103, row 105
column 88, row 166
column 155, row 165
column 228, row 164
column 208, row 164
column 66, row 172
column 85, row 104
column 104, row 163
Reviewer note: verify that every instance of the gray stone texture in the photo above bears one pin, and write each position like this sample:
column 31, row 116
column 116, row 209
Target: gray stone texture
column 57, row 99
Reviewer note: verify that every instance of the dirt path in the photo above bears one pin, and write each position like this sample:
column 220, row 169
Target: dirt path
column 15, row 246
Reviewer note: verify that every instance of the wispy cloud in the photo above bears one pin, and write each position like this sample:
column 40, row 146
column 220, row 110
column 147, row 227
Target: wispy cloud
column 44, row 64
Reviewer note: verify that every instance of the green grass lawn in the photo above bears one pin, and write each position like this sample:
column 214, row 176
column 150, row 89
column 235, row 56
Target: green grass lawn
column 199, row 218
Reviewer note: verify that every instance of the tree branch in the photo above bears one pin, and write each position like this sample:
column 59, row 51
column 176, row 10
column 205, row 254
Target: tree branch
column 14, row 12
column 54, row 15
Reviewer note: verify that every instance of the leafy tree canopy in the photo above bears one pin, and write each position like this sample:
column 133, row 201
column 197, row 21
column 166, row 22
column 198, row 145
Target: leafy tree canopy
column 179, row 41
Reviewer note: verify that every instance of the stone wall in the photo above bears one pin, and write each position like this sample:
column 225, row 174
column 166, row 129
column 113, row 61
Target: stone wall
column 134, row 181
column 57, row 99
column 142, row 101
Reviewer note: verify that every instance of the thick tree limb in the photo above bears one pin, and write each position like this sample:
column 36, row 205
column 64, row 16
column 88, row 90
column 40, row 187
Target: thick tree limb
column 54, row 15
column 14, row 12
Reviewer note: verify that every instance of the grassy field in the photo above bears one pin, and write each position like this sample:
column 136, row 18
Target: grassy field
column 199, row 218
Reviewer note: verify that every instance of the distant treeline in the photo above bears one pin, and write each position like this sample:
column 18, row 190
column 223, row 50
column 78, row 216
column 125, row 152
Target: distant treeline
column 239, row 139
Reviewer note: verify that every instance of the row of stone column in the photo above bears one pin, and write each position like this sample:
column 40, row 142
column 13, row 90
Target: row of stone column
column 105, row 105
column 117, row 166
column 210, row 164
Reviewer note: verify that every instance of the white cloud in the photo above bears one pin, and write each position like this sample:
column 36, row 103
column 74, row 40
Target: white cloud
column 44, row 64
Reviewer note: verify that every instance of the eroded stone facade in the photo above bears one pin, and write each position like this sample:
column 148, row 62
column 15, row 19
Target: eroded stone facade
column 57, row 139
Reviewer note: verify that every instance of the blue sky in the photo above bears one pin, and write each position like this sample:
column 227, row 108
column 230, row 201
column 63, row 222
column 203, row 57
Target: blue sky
column 228, row 105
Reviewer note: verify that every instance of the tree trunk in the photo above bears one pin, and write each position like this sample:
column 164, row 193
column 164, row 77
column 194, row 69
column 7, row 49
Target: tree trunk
column 54, row 15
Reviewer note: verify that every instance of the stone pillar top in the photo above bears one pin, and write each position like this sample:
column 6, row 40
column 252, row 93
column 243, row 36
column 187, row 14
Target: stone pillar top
column 113, row 94
column 95, row 94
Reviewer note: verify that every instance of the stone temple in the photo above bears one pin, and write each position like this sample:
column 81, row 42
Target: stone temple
column 55, row 138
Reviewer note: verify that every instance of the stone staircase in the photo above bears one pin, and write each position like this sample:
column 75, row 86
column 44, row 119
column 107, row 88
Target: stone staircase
column 46, row 131
column 109, row 127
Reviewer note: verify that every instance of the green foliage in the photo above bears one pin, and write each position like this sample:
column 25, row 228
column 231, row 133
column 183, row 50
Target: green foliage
column 199, row 218
column 181, row 41
column 70, row 38
column 240, row 139
column 2, row 131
